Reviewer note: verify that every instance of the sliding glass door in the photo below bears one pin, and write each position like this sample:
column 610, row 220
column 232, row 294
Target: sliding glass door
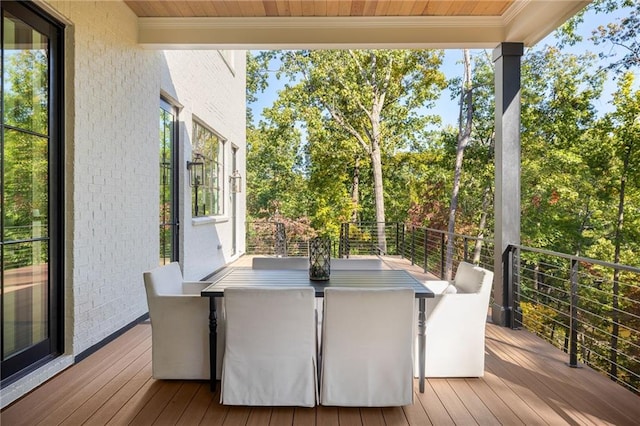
column 31, row 183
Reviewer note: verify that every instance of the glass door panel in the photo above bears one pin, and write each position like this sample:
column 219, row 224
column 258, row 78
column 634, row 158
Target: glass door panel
column 168, row 184
column 30, row 170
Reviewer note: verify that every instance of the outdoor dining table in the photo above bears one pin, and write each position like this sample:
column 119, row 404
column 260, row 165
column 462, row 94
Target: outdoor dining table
column 247, row 277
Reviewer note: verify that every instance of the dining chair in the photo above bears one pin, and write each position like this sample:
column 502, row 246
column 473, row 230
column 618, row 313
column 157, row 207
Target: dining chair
column 180, row 325
column 367, row 347
column 342, row 264
column 456, row 322
column 270, row 352
column 292, row 262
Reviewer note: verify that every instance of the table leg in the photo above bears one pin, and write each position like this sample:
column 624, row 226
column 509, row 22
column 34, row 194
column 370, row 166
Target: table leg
column 421, row 342
column 213, row 342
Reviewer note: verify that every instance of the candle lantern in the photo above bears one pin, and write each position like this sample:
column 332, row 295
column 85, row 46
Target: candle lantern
column 319, row 259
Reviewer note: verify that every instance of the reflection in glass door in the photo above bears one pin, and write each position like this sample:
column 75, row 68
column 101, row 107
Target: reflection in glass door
column 168, row 184
column 31, row 202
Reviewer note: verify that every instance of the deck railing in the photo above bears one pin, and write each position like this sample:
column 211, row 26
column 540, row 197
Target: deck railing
column 587, row 307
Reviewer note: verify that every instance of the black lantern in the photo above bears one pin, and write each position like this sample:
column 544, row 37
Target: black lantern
column 196, row 170
column 235, row 181
column 196, row 176
column 319, row 259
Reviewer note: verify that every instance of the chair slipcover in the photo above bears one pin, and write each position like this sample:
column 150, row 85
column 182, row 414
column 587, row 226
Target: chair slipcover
column 270, row 353
column 355, row 264
column 180, row 325
column 293, row 262
column 455, row 325
column 367, row 347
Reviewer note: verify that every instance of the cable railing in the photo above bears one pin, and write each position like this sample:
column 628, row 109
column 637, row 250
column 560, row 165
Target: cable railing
column 424, row 247
column 427, row 248
column 587, row 307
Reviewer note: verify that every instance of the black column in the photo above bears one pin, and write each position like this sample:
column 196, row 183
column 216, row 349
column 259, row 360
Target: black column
column 506, row 59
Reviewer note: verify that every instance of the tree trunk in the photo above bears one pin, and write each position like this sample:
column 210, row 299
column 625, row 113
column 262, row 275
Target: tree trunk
column 615, row 315
column 486, row 200
column 378, row 192
column 464, row 135
column 487, row 197
column 376, row 164
column 355, row 190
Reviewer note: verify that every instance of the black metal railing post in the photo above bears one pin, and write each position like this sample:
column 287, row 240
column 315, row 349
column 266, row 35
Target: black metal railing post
column 413, row 245
column 398, row 238
column 509, row 289
column 573, row 334
column 426, row 244
column 513, row 269
column 403, row 254
column 442, row 255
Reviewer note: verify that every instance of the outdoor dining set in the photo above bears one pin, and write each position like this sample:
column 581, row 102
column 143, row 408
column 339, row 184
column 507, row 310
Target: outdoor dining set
column 273, row 336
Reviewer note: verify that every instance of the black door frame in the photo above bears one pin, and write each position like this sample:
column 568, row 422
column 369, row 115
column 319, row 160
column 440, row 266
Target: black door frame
column 39, row 354
column 174, row 222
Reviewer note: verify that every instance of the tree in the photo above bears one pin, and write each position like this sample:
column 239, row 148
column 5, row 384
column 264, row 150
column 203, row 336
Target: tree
column 371, row 99
column 621, row 131
column 465, row 123
column 275, row 176
column 622, row 34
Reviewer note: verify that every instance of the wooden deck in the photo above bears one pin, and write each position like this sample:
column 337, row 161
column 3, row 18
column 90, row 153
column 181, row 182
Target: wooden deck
column 526, row 382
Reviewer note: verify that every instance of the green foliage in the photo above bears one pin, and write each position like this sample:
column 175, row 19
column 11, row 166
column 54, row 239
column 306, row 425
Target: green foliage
column 25, row 155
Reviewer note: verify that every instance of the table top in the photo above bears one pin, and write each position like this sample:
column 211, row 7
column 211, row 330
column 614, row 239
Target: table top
column 247, row 277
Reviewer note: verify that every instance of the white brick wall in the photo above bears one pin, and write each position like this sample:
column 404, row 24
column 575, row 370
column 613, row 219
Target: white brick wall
column 112, row 100
column 113, row 168
column 218, row 100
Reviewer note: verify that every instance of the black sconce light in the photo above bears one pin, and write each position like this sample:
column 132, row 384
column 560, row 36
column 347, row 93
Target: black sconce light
column 196, row 170
column 196, row 177
column 235, row 181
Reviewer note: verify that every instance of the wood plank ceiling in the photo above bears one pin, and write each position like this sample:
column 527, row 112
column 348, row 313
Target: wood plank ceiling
column 339, row 24
column 316, row 8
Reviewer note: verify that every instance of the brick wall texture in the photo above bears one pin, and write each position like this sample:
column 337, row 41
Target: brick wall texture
column 113, row 88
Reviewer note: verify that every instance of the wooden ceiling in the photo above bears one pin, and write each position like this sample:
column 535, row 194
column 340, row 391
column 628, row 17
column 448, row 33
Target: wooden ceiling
column 338, row 24
column 316, row 8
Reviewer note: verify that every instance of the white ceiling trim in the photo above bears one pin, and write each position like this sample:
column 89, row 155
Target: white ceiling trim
column 527, row 21
column 312, row 32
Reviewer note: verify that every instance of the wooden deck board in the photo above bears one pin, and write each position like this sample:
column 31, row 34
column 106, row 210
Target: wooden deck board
column 304, row 416
column 371, row 416
column 259, row 416
column 349, row 416
column 197, row 407
column 526, row 382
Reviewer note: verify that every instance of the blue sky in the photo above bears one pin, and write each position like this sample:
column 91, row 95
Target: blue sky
column 451, row 67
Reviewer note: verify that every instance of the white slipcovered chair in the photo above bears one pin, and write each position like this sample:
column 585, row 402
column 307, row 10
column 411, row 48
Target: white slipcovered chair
column 456, row 321
column 355, row 264
column 367, row 347
column 293, row 262
column 270, row 353
column 180, row 325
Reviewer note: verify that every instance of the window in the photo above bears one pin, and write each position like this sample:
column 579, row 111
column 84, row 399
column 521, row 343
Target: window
column 31, row 213
column 208, row 195
column 168, row 183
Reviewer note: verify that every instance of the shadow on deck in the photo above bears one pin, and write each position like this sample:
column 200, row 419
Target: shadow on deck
column 526, row 382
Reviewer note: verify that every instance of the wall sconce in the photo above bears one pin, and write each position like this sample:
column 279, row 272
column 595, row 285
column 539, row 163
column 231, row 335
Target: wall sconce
column 196, row 170
column 235, row 181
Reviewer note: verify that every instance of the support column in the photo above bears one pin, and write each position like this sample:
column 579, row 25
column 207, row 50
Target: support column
column 506, row 58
